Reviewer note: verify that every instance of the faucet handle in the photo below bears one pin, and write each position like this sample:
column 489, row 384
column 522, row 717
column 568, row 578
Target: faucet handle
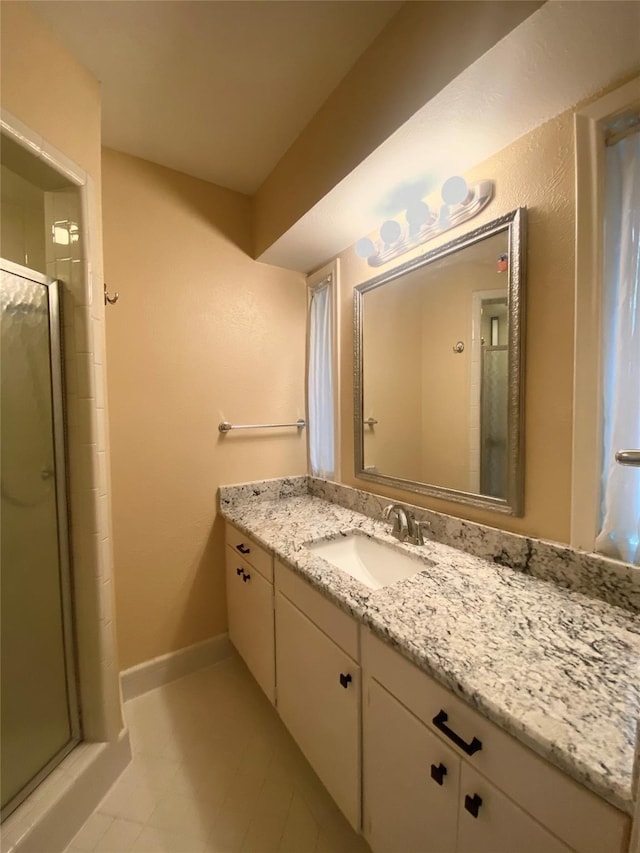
column 418, row 529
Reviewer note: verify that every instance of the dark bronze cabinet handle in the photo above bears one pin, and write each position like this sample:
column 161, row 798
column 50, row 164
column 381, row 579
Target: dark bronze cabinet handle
column 472, row 804
column 243, row 548
column 345, row 680
column 438, row 773
column 469, row 748
column 239, row 572
column 246, row 577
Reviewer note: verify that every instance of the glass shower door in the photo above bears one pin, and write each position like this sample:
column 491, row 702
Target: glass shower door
column 39, row 722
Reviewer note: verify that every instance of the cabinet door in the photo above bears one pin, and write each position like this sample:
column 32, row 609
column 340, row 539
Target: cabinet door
column 411, row 780
column 500, row 825
column 319, row 702
column 251, row 630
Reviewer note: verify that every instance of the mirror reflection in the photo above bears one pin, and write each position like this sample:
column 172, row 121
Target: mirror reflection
column 435, row 405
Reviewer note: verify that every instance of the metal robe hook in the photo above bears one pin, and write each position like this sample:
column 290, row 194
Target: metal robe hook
column 111, row 300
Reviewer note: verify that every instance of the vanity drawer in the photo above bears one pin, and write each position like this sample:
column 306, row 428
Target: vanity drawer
column 580, row 818
column 253, row 553
column 336, row 624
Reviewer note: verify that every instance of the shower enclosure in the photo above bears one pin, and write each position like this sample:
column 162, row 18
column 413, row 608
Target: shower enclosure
column 39, row 718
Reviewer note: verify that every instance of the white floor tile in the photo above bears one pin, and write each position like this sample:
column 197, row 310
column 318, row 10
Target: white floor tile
column 301, row 830
column 154, row 840
column 91, row 832
column 119, row 837
column 183, row 815
column 130, row 801
column 214, row 771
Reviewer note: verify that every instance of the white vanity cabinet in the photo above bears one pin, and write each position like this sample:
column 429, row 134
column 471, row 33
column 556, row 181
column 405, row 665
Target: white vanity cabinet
column 411, row 780
column 249, row 579
column 319, row 686
column 496, row 795
column 408, row 762
column 489, row 822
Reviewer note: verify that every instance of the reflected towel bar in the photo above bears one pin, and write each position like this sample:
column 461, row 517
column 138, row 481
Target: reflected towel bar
column 225, row 426
column 370, row 422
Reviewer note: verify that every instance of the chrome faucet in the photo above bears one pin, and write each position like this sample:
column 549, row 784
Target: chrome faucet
column 406, row 528
column 400, row 527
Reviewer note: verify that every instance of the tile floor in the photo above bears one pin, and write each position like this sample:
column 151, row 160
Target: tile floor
column 214, row 771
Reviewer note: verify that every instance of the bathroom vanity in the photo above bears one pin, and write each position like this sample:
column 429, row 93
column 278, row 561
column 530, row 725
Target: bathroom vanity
column 465, row 707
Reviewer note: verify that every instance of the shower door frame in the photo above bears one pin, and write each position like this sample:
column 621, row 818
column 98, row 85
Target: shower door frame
column 62, row 513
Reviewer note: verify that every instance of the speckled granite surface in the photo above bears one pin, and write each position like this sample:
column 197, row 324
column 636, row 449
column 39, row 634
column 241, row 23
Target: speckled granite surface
column 558, row 670
column 592, row 574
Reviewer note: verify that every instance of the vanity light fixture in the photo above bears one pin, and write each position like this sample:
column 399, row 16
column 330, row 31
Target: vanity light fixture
column 460, row 202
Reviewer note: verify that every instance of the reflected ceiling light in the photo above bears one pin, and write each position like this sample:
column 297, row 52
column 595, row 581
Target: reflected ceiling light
column 365, row 248
column 461, row 202
column 390, row 231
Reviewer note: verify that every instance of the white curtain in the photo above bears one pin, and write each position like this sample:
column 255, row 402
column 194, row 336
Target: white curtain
column 620, row 533
column 320, row 383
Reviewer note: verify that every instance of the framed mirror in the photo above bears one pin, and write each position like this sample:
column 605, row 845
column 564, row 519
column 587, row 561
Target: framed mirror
column 439, row 369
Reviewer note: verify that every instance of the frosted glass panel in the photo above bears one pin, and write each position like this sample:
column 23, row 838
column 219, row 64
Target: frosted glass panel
column 494, row 421
column 35, row 714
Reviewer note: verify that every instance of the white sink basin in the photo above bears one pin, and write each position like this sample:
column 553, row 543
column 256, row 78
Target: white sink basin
column 373, row 563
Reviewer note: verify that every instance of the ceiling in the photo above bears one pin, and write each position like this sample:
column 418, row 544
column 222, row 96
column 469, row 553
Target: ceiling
column 563, row 53
column 218, row 90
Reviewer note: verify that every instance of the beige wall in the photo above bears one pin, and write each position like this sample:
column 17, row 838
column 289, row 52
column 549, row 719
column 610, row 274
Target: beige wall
column 536, row 172
column 47, row 89
column 446, row 319
column 446, row 375
column 391, row 335
column 422, row 48
column 201, row 333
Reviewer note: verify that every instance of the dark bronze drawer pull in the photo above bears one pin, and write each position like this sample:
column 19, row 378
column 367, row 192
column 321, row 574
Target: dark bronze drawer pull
column 345, row 680
column 243, row 548
column 469, row 748
column 438, row 773
column 239, row 572
column 472, row 804
column 246, row 577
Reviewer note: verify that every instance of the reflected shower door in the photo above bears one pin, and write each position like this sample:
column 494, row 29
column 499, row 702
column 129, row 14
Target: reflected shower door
column 494, row 426
column 39, row 716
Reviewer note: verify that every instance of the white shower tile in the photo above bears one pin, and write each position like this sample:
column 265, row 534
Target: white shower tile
column 99, row 386
column 98, row 340
column 85, row 510
column 80, row 282
column 101, row 431
column 85, row 374
column 103, row 473
column 83, row 330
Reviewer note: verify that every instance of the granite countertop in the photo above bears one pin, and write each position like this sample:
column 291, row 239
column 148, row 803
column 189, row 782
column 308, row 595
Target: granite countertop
column 558, row 670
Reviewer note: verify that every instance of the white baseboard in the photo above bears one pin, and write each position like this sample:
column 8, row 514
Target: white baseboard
column 66, row 798
column 161, row 670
